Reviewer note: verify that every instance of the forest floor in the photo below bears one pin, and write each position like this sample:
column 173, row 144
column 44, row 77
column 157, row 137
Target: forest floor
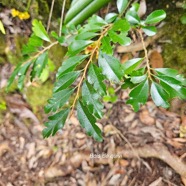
column 139, row 149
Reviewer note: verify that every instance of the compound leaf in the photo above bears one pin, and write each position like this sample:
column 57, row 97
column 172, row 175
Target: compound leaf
column 88, row 121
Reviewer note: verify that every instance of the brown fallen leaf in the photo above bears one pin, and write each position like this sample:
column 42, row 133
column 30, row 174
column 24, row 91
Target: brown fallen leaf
column 146, row 118
column 156, row 59
column 4, row 147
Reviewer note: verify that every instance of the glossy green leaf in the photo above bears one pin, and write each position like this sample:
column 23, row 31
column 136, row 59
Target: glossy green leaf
column 106, row 46
column 131, row 65
column 77, row 46
column 91, row 98
column 138, row 79
column 22, row 74
column 139, row 95
column 88, row 121
column 65, row 80
column 150, row 30
column 155, row 17
column 55, row 123
column 13, row 76
column 159, row 95
column 121, row 25
column 127, row 84
column 119, row 38
column 39, row 30
column 132, row 17
column 33, row 44
column 96, row 78
column 58, row 100
column 39, row 65
column 183, row 19
column 172, row 86
column 122, row 5
column 97, row 20
column 86, row 35
column 69, row 64
column 110, row 17
column 111, row 67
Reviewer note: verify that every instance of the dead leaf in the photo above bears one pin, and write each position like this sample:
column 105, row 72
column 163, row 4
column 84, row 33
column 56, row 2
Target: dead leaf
column 157, row 182
column 4, row 147
column 146, row 118
column 156, row 59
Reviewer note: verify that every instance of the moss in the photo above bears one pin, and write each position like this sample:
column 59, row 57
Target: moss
column 175, row 49
column 37, row 96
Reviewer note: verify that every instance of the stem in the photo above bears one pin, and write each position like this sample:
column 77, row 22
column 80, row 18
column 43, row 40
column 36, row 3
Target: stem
column 146, row 55
column 28, row 5
column 41, row 52
column 50, row 15
column 62, row 15
column 87, row 65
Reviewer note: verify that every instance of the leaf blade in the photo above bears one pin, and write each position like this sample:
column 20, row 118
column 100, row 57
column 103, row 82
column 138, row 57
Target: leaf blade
column 87, row 121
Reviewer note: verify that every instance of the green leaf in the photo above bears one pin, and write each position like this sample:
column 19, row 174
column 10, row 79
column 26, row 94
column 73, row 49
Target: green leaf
column 91, row 99
column 150, row 30
column 130, row 65
column 88, row 121
column 127, row 84
column 39, row 65
column 2, row 29
column 65, row 80
column 159, row 95
column 155, row 17
column 69, row 64
column 110, row 17
column 13, row 76
column 39, row 30
column 132, row 17
column 106, row 46
column 58, row 100
column 183, row 19
column 172, row 86
column 86, row 35
column 121, row 25
column 171, row 73
column 122, row 5
column 111, row 67
column 22, row 74
column 33, row 44
column 139, row 95
column 97, row 20
column 55, row 123
column 119, row 38
column 138, row 79
column 77, row 46
column 96, row 78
